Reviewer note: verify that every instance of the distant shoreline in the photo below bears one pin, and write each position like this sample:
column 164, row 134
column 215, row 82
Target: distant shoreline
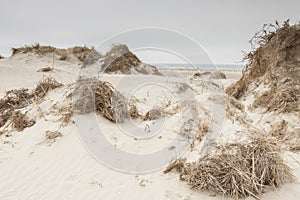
column 198, row 66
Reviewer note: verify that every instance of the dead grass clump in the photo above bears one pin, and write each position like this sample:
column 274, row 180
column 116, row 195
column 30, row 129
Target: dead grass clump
column 273, row 63
column 235, row 110
column 67, row 114
column 133, row 112
column 202, row 131
column 15, row 99
column 91, row 57
column 63, row 57
column 20, row 121
column 279, row 100
column 45, row 85
column 4, row 117
column 237, row 170
column 94, row 95
column 120, row 59
column 51, row 136
column 237, row 89
column 21, row 98
column 81, row 53
column 110, row 103
column 84, row 95
column 290, row 139
column 35, row 48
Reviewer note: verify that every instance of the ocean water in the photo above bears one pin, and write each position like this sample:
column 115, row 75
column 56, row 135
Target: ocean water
column 199, row 66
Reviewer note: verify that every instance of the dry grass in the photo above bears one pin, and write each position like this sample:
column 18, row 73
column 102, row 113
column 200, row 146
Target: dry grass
column 51, row 137
column 235, row 111
column 279, row 99
column 289, row 138
column 94, row 95
column 20, row 121
column 4, row 117
column 45, row 85
column 15, row 99
column 203, row 130
column 91, row 57
column 35, row 48
column 274, row 63
column 110, row 103
column 133, row 112
column 80, row 52
column 237, row 170
column 84, row 95
column 21, row 98
column 67, row 114
column 120, row 59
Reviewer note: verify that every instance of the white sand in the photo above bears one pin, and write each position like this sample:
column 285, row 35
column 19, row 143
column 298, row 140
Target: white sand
column 65, row 170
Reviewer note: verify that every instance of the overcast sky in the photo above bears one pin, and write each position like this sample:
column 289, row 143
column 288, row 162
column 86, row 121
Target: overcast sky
column 222, row 27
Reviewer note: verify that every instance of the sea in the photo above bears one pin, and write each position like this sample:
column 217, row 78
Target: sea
column 199, row 66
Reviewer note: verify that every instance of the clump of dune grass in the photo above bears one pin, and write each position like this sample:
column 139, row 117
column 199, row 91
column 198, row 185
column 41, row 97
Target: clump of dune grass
column 20, row 121
column 67, row 114
column 84, row 95
column 45, row 85
column 34, row 48
column 279, row 99
column 16, row 99
column 274, row 64
column 237, row 170
column 94, row 95
column 51, row 137
column 110, row 103
column 120, row 59
column 79, row 52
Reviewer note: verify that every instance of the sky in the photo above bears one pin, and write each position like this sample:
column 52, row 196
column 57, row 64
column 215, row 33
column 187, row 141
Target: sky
column 222, row 28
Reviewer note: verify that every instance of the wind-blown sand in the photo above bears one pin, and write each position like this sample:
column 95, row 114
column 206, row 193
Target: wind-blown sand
column 32, row 168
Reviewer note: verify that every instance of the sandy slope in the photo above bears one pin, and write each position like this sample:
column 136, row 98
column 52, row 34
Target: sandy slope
column 30, row 169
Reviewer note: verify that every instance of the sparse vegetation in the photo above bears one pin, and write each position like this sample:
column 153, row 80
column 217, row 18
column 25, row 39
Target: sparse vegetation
column 274, row 63
column 119, row 58
column 45, row 85
column 94, row 95
column 80, row 52
column 20, row 121
column 51, row 137
column 14, row 100
column 237, row 170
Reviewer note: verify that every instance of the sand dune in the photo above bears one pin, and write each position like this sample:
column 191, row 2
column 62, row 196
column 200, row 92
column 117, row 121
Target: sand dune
column 35, row 166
